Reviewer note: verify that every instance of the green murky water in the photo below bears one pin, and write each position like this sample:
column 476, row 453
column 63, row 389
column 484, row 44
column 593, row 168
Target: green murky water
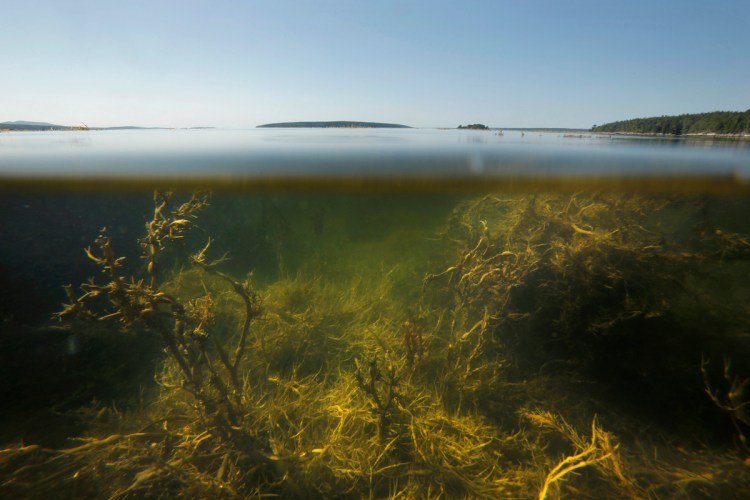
column 404, row 343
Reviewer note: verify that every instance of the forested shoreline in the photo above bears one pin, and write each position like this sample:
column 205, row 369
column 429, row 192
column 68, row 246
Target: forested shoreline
column 717, row 122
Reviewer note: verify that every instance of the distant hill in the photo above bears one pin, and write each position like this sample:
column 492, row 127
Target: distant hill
column 34, row 124
column 717, row 122
column 24, row 125
column 21, row 125
column 335, row 124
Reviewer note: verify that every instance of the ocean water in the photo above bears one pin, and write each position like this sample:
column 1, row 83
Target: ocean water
column 373, row 313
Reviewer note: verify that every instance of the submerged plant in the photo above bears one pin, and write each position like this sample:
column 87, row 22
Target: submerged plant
column 734, row 399
column 381, row 387
column 207, row 370
column 414, row 343
column 596, row 451
column 318, row 388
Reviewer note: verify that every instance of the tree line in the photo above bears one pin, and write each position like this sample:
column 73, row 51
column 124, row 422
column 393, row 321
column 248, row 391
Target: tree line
column 716, row 122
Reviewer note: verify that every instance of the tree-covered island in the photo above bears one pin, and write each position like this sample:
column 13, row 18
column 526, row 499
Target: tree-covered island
column 474, row 126
column 729, row 123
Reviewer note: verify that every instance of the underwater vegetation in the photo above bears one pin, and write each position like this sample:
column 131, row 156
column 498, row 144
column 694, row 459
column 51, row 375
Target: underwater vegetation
column 564, row 345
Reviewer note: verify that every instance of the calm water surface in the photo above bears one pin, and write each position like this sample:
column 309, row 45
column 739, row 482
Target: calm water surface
column 364, row 154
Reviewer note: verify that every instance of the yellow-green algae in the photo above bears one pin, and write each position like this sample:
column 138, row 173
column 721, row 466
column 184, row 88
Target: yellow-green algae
column 475, row 358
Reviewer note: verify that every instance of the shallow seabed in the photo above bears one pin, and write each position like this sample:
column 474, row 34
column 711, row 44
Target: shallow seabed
column 375, row 345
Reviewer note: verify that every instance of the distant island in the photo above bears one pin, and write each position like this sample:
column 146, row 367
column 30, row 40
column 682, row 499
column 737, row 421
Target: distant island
column 722, row 123
column 474, row 126
column 334, row 124
column 20, row 126
column 24, row 125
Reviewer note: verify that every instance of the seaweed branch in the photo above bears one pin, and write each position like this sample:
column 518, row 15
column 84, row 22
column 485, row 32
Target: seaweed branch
column 414, row 343
column 735, row 401
column 382, row 390
column 183, row 328
column 250, row 300
column 168, row 226
column 598, row 449
column 590, row 455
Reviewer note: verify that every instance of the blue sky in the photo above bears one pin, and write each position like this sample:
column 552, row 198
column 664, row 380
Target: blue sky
column 435, row 63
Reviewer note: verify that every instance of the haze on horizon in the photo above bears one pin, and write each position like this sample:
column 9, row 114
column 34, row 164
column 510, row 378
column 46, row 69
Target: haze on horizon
column 424, row 64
